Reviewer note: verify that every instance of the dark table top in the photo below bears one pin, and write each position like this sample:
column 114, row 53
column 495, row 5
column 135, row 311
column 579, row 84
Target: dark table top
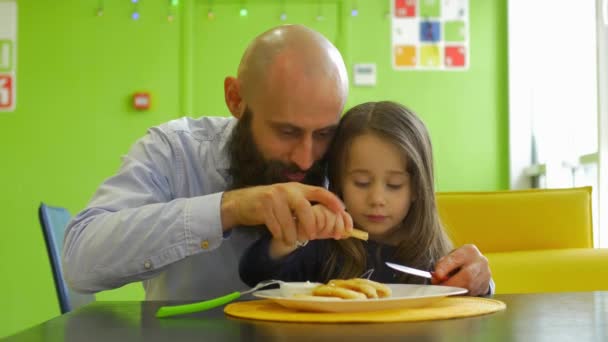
column 580, row 316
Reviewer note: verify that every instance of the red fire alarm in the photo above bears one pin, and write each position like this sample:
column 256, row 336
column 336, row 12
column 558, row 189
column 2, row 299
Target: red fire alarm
column 141, row 101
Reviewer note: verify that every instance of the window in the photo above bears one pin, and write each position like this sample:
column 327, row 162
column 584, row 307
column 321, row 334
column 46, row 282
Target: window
column 553, row 97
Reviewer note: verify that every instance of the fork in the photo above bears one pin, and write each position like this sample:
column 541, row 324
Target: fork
column 174, row 310
column 367, row 274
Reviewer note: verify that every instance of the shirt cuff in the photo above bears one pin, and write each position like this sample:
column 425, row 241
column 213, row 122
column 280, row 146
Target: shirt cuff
column 203, row 223
column 491, row 288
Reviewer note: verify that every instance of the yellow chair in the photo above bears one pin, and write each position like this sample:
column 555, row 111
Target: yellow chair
column 536, row 240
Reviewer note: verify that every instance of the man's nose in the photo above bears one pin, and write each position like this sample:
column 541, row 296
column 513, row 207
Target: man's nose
column 303, row 154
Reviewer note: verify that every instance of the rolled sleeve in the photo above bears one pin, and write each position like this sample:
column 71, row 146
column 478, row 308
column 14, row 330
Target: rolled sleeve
column 203, row 223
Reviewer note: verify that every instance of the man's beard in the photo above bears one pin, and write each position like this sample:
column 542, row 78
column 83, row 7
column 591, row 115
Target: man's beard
column 249, row 168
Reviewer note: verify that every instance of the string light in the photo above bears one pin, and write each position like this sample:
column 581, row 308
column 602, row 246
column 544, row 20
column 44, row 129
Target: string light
column 283, row 15
column 387, row 11
column 135, row 14
column 354, row 11
column 210, row 14
column 320, row 16
column 100, row 8
column 172, row 9
column 243, row 12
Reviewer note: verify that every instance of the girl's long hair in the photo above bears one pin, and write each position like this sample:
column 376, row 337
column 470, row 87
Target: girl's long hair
column 421, row 237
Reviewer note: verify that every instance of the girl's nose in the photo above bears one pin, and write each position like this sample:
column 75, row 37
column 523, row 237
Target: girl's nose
column 377, row 195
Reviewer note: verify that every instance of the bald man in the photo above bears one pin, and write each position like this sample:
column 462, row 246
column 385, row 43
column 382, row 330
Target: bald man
column 167, row 217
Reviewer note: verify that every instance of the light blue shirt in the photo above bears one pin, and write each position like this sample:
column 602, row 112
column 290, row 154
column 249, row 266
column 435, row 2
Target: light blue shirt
column 158, row 219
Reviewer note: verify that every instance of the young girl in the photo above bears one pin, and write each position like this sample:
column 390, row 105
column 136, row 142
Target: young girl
column 381, row 165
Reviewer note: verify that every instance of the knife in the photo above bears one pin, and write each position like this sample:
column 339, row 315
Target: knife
column 410, row 270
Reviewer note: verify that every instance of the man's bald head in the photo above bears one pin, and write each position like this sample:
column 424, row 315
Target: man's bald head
column 288, row 95
column 289, row 54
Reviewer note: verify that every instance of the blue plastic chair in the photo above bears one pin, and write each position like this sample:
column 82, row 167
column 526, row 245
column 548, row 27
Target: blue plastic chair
column 54, row 221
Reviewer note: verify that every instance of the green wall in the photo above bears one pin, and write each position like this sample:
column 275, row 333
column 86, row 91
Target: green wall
column 76, row 72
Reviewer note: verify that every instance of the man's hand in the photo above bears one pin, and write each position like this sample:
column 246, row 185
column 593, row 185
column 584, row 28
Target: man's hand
column 284, row 208
column 464, row 267
column 328, row 225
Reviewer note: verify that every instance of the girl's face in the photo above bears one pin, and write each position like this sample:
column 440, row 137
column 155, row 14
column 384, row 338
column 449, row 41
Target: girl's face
column 376, row 186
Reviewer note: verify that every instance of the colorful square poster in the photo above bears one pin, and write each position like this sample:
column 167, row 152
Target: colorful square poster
column 405, row 8
column 455, row 56
column 8, row 55
column 430, row 56
column 7, row 91
column 454, row 31
column 430, row 34
column 430, row 31
column 407, row 33
column 430, row 8
column 405, row 56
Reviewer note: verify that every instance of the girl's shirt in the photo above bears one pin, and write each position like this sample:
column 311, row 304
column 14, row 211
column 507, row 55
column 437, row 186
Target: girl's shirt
column 307, row 263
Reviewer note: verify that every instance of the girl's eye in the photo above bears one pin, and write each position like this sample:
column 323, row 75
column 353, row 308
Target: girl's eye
column 394, row 186
column 360, row 184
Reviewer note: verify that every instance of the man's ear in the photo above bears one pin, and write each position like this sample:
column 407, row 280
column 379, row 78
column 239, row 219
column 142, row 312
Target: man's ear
column 232, row 96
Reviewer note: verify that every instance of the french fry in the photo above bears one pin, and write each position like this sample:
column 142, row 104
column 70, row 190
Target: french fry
column 359, row 234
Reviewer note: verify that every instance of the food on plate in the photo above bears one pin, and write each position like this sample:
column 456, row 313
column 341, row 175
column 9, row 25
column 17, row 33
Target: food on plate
column 356, row 288
column 383, row 290
column 336, row 291
column 297, row 288
column 313, row 297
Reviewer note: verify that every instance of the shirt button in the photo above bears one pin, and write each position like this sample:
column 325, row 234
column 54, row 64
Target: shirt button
column 204, row 244
column 147, row 264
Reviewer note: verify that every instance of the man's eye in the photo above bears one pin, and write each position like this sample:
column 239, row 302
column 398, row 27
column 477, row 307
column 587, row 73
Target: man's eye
column 288, row 132
column 324, row 134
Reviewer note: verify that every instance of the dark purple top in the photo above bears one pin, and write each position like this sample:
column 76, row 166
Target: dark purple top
column 306, row 263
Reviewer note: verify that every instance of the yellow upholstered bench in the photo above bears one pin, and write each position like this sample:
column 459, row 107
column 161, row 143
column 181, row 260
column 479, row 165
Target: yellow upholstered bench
column 536, row 240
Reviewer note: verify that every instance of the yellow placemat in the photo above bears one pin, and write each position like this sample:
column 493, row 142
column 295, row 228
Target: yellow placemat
column 449, row 307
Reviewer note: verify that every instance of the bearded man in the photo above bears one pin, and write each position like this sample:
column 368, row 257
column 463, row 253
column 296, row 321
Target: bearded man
column 167, row 217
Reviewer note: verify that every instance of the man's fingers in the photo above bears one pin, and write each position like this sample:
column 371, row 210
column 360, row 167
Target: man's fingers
column 302, row 210
column 445, row 266
column 459, row 257
column 462, row 278
column 470, row 278
column 285, row 219
column 329, row 219
column 325, row 222
column 348, row 223
column 338, row 232
column 320, row 220
column 464, row 267
column 272, row 224
column 322, row 196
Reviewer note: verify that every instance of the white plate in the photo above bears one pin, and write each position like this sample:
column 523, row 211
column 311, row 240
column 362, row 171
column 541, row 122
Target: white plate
column 404, row 296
